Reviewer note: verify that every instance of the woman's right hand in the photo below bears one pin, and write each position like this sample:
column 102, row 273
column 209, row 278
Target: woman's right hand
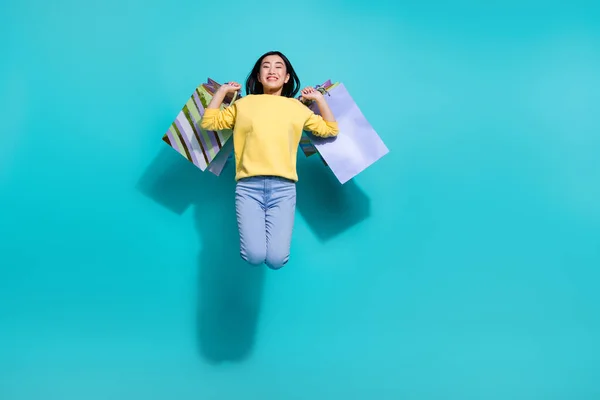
column 230, row 87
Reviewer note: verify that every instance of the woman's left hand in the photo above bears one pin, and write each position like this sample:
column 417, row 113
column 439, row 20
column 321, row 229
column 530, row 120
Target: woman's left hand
column 310, row 93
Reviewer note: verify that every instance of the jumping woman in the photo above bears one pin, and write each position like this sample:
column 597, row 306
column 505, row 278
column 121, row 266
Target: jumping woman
column 267, row 126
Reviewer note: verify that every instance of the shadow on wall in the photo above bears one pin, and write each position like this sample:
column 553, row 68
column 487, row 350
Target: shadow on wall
column 229, row 290
column 328, row 207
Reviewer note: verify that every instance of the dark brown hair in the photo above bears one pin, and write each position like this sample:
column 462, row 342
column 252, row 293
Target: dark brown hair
column 290, row 89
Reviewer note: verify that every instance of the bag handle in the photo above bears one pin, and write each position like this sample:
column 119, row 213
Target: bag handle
column 321, row 89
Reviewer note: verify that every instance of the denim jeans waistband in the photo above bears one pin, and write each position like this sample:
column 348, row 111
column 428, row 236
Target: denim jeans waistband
column 266, row 178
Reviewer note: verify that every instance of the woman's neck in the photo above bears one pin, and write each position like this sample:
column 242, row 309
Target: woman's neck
column 275, row 93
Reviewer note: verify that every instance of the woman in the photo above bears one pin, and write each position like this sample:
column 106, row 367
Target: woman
column 267, row 125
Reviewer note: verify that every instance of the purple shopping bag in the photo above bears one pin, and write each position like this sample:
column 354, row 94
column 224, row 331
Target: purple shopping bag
column 357, row 145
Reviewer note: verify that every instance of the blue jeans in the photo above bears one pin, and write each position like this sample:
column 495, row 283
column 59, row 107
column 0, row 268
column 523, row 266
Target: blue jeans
column 265, row 208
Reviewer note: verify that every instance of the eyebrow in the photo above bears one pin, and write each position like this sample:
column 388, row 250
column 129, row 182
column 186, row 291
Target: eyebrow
column 276, row 62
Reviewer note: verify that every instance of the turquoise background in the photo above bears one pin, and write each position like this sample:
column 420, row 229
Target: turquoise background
column 463, row 265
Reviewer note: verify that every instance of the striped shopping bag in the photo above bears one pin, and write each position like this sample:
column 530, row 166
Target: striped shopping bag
column 210, row 150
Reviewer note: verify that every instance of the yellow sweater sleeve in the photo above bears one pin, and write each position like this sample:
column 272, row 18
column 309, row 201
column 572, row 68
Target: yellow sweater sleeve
column 317, row 125
column 217, row 119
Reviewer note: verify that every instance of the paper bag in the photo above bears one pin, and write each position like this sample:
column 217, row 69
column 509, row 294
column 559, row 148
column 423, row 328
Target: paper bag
column 357, row 146
column 199, row 146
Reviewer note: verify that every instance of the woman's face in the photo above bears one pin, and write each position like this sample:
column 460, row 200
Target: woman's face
column 273, row 74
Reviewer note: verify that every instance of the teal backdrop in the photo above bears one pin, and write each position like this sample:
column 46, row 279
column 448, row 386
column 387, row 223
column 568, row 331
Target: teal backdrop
column 463, row 265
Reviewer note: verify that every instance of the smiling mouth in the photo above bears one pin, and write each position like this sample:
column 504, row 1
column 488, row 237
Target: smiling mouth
column 271, row 78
